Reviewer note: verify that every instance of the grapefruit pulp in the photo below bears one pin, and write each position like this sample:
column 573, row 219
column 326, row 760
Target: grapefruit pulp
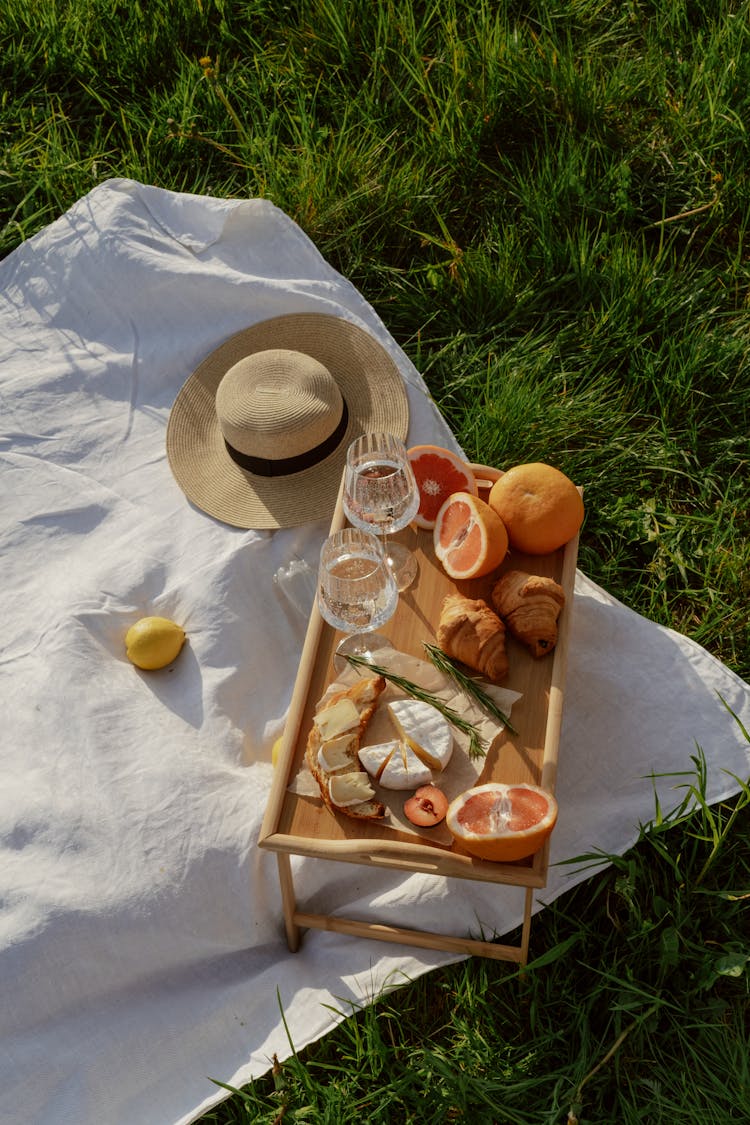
column 439, row 472
column 502, row 822
column 469, row 538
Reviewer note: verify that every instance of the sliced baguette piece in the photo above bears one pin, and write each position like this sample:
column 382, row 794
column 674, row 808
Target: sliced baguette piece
column 364, row 694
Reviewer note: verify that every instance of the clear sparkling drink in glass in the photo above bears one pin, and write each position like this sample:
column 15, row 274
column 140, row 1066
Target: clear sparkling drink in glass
column 381, row 494
column 356, row 590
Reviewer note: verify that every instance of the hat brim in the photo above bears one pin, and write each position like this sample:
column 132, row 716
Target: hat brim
column 369, row 381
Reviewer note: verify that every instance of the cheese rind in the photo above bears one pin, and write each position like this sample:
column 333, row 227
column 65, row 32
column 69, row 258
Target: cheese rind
column 424, row 730
column 336, row 720
column 347, row 789
column 339, row 754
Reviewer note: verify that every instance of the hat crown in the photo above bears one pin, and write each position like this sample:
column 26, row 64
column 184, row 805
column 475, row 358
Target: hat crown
column 277, row 403
column 296, row 425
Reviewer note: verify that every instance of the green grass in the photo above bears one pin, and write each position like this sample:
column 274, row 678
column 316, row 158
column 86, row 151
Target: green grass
column 636, row 1010
column 548, row 204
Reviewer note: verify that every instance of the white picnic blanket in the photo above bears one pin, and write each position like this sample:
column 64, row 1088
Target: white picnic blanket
column 142, row 951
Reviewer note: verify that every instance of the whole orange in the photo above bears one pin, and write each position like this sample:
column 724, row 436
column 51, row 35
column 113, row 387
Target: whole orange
column 541, row 508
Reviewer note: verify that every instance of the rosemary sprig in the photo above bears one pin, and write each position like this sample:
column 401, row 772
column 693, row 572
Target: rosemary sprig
column 476, row 747
column 448, row 667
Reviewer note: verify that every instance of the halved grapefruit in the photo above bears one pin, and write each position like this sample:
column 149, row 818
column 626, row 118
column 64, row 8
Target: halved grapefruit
column 439, row 472
column 502, row 822
column 469, row 538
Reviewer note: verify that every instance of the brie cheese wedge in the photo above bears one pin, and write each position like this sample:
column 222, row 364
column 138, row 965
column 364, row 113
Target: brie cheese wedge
column 404, row 770
column 338, row 753
column 424, row 730
column 375, row 758
column 347, row 789
column 336, row 720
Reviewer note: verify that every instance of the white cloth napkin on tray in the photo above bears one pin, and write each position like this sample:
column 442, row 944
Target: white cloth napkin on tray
column 142, row 951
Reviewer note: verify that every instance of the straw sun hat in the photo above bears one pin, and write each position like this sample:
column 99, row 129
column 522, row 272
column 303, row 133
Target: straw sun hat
column 257, row 436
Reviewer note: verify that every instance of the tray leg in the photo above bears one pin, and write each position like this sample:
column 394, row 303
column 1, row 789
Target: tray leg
column 420, row 939
column 525, row 932
column 295, row 920
column 288, row 901
column 424, row 939
column 526, row 928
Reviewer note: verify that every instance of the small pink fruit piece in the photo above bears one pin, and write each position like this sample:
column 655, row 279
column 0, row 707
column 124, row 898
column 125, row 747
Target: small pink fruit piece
column 427, row 807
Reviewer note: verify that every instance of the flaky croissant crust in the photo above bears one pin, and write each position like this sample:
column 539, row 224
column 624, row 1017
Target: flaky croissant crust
column 530, row 605
column 470, row 631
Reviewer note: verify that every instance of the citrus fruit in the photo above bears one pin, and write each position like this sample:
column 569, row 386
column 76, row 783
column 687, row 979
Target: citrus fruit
column 153, row 642
column 439, row 472
column 502, row 822
column 541, row 507
column 469, row 537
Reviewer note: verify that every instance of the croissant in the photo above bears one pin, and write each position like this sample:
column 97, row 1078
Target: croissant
column 469, row 631
column 530, row 605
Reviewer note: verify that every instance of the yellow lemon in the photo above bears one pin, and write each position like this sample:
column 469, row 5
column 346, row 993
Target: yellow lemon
column 276, row 750
column 153, row 642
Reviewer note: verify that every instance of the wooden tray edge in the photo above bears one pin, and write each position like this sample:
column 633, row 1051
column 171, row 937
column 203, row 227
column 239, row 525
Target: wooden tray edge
column 297, row 703
column 423, row 858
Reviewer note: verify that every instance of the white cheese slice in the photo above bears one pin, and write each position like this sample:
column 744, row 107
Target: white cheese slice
column 424, row 729
column 337, row 719
column 339, row 753
column 347, row 789
column 404, row 770
column 375, row 758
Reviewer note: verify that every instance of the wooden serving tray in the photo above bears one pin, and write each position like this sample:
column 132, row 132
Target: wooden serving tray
column 300, row 825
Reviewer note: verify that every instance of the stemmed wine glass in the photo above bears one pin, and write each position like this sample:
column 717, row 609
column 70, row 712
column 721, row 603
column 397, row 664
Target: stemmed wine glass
column 356, row 590
column 381, row 495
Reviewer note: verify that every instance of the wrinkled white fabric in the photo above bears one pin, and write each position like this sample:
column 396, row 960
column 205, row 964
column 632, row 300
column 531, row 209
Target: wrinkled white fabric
column 142, row 951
